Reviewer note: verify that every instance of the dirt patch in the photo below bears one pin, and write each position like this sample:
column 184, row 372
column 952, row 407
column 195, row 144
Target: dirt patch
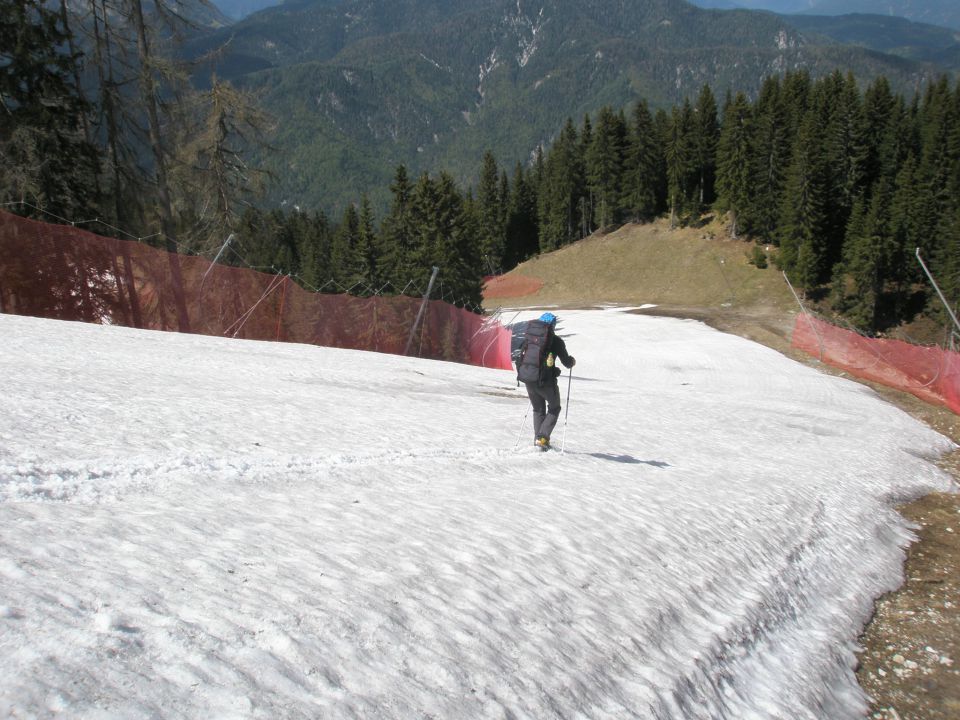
column 910, row 664
column 511, row 286
column 910, row 661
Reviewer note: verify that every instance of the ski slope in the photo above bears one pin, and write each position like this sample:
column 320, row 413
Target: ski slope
column 194, row 527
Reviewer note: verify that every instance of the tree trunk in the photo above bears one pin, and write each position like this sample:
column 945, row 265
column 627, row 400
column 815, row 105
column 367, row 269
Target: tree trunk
column 148, row 96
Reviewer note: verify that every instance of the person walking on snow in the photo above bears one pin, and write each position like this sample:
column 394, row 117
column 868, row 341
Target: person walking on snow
column 538, row 371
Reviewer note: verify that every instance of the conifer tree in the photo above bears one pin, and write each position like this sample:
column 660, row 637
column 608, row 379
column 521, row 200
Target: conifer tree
column 939, row 168
column 680, row 159
column 642, row 171
column 521, row 219
column 503, row 196
column 586, row 201
column 904, row 270
column 538, row 171
column 282, row 248
column 491, row 214
column 211, row 177
column 45, row 157
column 845, row 144
column 247, row 248
column 797, row 92
column 604, row 166
column 427, row 230
column 312, row 237
column 446, row 237
column 734, row 188
column 769, row 159
column 706, row 135
column 458, row 259
column 940, row 182
column 397, row 235
column 344, row 264
column 947, row 267
column 869, row 253
column 878, row 109
column 561, row 191
column 365, row 258
column 802, row 213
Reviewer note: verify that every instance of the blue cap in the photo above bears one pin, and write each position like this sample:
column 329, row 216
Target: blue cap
column 549, row 318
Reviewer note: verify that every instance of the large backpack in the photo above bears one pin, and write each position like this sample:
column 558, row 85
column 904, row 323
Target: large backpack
column 533, row 352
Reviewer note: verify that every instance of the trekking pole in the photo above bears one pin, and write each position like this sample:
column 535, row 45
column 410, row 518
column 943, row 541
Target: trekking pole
column 563, row 441
column 522, row 426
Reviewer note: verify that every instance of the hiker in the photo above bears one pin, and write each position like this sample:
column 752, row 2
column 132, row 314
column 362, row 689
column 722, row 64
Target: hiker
column 538, row 371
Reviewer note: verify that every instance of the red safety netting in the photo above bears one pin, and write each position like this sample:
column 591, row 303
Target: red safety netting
column 61, row 272
column 930, row 373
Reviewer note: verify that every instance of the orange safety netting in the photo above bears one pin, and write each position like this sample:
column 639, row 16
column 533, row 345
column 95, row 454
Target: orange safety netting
column 930, row 373
column 61, row 272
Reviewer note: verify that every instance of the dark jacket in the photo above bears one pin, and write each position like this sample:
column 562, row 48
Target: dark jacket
column 559, row 349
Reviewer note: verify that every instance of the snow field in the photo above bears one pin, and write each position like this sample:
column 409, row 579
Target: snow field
column 199, row 527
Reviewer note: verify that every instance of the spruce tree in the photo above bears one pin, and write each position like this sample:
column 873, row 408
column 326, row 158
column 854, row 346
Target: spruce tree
column 947, row 267
column 797, row 92
column 503, row 196
column 457, row 252
column 734, row 187
column 344, row 263
column 491, row 213
column 446, row 237
column 427, row 231
column 604, row 166
column 365, row 258
column 769, row 159
column 642, row 167
column 936, row 164
column 397, row 235
column 706, row 135
column 561, row 191
column 312, row 235
column 869, row 254
column 878, row 109
column 284, row 258
column 836, row 103
column 680, row 160
column 45, row 157
column 802, row 217
column 521, row 219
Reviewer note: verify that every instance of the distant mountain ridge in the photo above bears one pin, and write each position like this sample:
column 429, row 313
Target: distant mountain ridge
column 945, row 13
column 360, row 86
column 894, row 35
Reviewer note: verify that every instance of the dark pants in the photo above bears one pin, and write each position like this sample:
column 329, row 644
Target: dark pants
column 546, row 407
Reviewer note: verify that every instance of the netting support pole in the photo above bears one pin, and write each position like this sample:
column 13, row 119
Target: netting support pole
column 283, row 299
column 204, row 279
column 423, row 306
column 937, row 288
column 804, row 311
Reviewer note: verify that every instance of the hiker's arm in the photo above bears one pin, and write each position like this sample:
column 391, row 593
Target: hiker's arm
column 560, row 349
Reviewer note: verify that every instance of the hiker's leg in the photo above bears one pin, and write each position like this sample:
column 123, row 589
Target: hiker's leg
column 551, row 393
column 539, row 405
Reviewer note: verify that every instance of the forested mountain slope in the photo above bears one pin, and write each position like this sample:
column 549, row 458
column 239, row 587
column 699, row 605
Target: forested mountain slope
column 360, row 86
